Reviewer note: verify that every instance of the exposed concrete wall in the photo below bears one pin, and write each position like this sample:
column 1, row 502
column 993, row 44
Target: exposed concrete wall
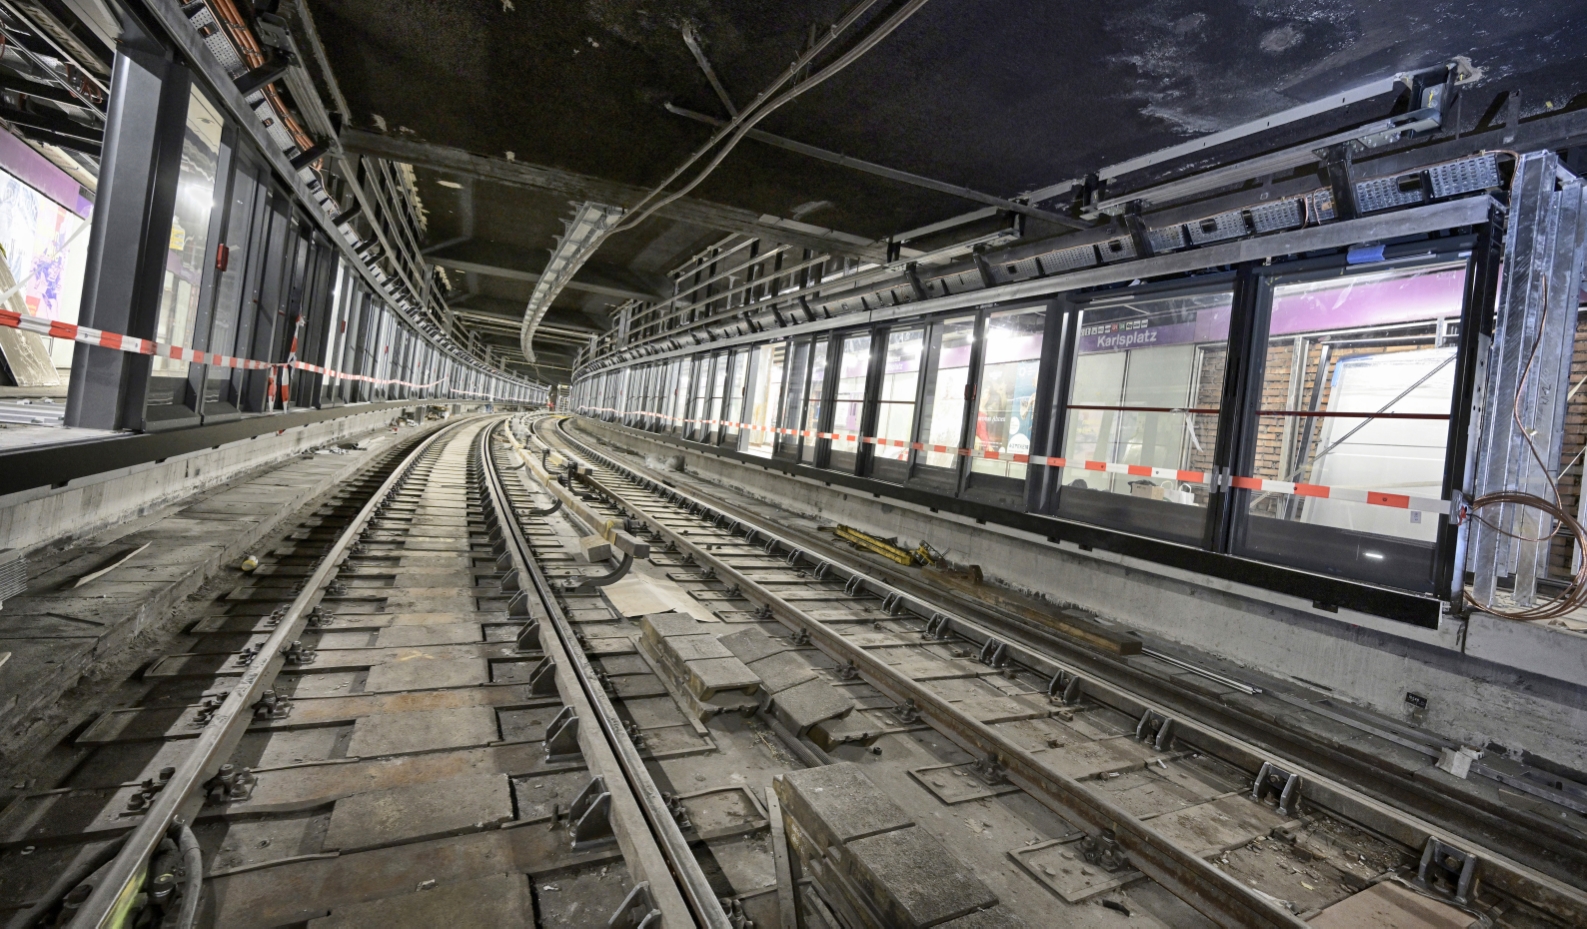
column 44, row 515
column 1522, row 687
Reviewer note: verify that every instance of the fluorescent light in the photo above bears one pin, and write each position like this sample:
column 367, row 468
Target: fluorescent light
column 452, row 184
column 1375, row 556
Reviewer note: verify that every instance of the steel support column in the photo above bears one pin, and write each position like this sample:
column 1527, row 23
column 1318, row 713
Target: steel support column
column 131, row 232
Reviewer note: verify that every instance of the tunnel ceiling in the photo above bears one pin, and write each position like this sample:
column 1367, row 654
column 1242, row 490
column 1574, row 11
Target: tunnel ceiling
column 1002, row 97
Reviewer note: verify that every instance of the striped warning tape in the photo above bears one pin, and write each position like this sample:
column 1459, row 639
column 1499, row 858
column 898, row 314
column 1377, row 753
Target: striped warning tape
column 71, row 332
column 1202, row 478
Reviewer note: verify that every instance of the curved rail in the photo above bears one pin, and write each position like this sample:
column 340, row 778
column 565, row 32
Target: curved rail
column 179, row 801
column 651, row 839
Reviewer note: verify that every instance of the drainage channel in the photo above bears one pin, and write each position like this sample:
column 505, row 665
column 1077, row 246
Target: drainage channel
column 1242, row 836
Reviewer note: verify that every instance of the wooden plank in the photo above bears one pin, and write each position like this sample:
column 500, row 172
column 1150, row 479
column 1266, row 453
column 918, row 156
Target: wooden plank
column 786, row 910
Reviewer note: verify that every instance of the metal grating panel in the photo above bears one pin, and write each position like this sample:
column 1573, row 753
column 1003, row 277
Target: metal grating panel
column 1166, row 239
column 1120, row 249
column 1005, row 271
column 1228, row 225
column 13, row 573
column 1283, row 214
column 1382, row 193
column 1322, row 205
column 1068, row 259
column 1464, row 176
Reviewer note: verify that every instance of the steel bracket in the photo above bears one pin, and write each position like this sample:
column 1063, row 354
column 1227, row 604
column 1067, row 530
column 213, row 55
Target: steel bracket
column 543, row 679
column 1273, row 780
column 528, row 637
column 589, row 816
column 271, row 706
column 1104, row 851
column 562, row 736
column 1447, row 870
column 636, row 911
column 1159, row 728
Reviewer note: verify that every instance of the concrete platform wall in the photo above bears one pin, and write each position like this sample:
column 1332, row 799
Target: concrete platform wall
column 1520, row 685
column 51, row 515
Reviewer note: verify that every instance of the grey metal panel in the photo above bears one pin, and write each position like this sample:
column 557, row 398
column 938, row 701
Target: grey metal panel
column 1382, row 193
column 1068, row 259
column 1282, row 214
column 1554, row 369
column 1504, row 459
column 1006, row 271
column 1464, row 176
column 1119, row 249
column 1217, row 228
column 1166, row 239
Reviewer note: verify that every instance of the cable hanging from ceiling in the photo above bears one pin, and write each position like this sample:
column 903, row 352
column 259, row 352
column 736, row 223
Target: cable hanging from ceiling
column 739, row 126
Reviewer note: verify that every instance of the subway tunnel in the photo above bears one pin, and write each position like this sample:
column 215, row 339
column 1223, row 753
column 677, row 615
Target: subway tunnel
column 824, row 465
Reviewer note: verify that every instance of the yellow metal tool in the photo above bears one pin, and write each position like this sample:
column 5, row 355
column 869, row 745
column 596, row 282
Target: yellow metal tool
column 888, row 548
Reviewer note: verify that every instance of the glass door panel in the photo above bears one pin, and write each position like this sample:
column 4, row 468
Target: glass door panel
column 1145, row 391
column 186, row 254
column 1357, row 388
column 895, row 410
column 737, row 386
column 793, row 401
column 763, row 397
column 945, row 397
column 813, row 410
column 848, row 400
column 1006, row 396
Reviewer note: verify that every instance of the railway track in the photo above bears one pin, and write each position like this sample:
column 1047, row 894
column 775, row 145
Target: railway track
column 1207, row 825
column 504, row 678
column 360, row 733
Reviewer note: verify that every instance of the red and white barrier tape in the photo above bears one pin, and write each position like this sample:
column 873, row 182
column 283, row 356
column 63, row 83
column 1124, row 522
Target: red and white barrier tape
column 114, row 341
column 1203, row 478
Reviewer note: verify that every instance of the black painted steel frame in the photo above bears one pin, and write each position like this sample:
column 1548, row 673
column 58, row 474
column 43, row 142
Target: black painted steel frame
column 1252, row 285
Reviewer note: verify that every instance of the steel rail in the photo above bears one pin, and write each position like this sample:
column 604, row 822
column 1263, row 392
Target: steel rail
column 176, row 804
column 1499, row 871
column 1214, row 893
column 652, row 842
column 1378, row 807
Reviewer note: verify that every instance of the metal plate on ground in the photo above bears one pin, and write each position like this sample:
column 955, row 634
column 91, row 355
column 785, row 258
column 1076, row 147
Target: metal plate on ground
column 637, row 595
column 1058, row 866
column 1387, row 905
column 485, row 903
column 1220, row 824
column 428, row 730
column 421, row 671
column 958, row 783
column 407, row 814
